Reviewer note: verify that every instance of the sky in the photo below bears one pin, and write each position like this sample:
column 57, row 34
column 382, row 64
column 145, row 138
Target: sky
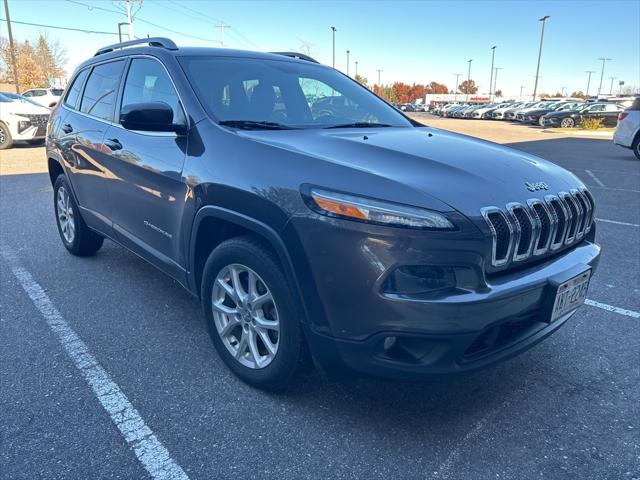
column 415, row 41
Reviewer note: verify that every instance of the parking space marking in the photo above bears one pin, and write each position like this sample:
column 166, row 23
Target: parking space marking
column 595, row 179
column 616, row 222
column 151, row 453
column 611, row 308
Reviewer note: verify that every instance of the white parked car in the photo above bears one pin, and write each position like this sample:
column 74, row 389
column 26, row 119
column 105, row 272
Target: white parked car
column 21, row 119
column 627, row 132
column 47, row 97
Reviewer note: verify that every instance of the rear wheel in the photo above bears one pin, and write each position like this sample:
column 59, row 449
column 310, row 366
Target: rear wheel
column 252, row 317
column 5, row 137
column 76, row 237
column 568, row 123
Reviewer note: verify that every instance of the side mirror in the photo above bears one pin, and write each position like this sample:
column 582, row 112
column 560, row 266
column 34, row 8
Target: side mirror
column 149, row 117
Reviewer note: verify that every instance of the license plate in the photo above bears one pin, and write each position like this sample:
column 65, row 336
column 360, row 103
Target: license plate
column 570, row 295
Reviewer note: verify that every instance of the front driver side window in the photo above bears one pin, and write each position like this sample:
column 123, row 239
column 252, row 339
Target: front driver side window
column 148, row 81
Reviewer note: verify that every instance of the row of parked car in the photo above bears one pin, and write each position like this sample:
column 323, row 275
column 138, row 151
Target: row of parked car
column 546, row 113
column 21, row 119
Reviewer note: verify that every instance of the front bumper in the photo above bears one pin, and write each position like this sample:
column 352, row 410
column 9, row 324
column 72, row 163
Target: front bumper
column 458, row 331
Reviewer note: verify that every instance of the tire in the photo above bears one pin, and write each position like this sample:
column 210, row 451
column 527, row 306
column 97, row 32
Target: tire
column 541, row 121
column 6, row 141
column 237, row 328
column 636, row 146
column 567, row 123
column 76, row 237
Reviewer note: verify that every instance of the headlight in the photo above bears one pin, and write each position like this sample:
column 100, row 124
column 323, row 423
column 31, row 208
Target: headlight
column 341, row 205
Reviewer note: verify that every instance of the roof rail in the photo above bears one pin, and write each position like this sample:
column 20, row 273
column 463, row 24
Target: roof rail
column 153, row 42
column 300, row 56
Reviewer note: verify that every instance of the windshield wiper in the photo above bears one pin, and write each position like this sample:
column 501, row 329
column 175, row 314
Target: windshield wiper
column 255, row 125
column 361, row 125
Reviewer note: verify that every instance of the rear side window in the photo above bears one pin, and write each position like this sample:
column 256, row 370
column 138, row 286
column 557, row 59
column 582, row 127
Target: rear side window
column 74, row 91
column 101, row 91
column 148, row 81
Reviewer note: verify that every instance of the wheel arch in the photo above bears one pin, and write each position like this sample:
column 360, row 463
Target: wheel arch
column 55, row 169
column 212, row 225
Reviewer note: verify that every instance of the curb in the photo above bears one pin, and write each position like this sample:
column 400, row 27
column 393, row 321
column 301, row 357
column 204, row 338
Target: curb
column 582, row 133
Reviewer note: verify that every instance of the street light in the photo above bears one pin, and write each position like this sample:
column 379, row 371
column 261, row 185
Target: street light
column 120, row 30
column 604, row 60
column 495, row 82
column 356, row 69
column 611, row 87
column 493, row 54
column 589, row 81
column 455, row 92
column 535, row 86
column 469, row 77
column 347, row 63
column 521, row 88
column 379, row 85
column 333, row 33
column 562, row 91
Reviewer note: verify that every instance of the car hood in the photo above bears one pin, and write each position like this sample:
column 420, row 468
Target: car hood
column 18, row 108
column 465, row 173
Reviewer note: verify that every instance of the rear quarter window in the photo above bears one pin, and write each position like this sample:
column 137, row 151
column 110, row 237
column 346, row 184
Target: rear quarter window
column 99, row 97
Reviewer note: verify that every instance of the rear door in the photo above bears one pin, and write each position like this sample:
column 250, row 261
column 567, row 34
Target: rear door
column 611, row 112
column 148, row 192
column 81, row 135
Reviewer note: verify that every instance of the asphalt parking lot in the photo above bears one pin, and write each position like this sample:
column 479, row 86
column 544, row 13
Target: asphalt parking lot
column 568, row 408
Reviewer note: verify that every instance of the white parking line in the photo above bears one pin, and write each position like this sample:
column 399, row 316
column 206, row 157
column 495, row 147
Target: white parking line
column 617, row 222
column 150, row 452
column 611, row 308
column 595, row 179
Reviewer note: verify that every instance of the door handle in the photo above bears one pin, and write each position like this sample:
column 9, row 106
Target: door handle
column 113, row 143
column 67, row 128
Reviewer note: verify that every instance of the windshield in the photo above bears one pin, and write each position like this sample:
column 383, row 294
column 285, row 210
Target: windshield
column 258, row 93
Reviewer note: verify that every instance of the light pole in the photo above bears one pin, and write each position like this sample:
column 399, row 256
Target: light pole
column 493, row 54
column 604, row 60
column 347, row 63
column 562, row 91
column 120, row 30
column 495, row 82
column 356, row 69
column 588, row 81
column 455, row 92
column 535, row 86
column 333, row 34
column 611, row 86
column 469, row 77
column 521, row 88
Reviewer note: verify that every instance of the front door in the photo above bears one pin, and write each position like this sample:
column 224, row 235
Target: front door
column 148, row 193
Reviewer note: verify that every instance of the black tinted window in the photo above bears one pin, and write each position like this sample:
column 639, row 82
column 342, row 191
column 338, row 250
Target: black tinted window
column 74, row 91
column 147, row 81
column 101, row 90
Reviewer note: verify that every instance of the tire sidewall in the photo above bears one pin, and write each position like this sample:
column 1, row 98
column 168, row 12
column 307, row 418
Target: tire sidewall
column 8, row 140
column 277, row 374
column 567, row 123
column 74, row 246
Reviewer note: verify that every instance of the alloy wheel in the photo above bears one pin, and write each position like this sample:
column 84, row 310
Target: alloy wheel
column 246, row 316
column 567, row 123
column 66, row 219
column 3, row 135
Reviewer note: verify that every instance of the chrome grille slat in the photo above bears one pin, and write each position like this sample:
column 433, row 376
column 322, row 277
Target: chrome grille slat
column 521, row 231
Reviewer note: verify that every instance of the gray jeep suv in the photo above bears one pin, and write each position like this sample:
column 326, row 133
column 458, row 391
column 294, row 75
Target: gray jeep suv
column 341, row 232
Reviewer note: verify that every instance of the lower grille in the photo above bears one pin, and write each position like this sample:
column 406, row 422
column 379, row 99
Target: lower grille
column 522, row 231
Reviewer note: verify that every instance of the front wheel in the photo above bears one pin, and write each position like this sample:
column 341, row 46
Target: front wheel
column 5, row 137
column 568, row 123
column 251, row 314
column 76, row 237
column 636, row 146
